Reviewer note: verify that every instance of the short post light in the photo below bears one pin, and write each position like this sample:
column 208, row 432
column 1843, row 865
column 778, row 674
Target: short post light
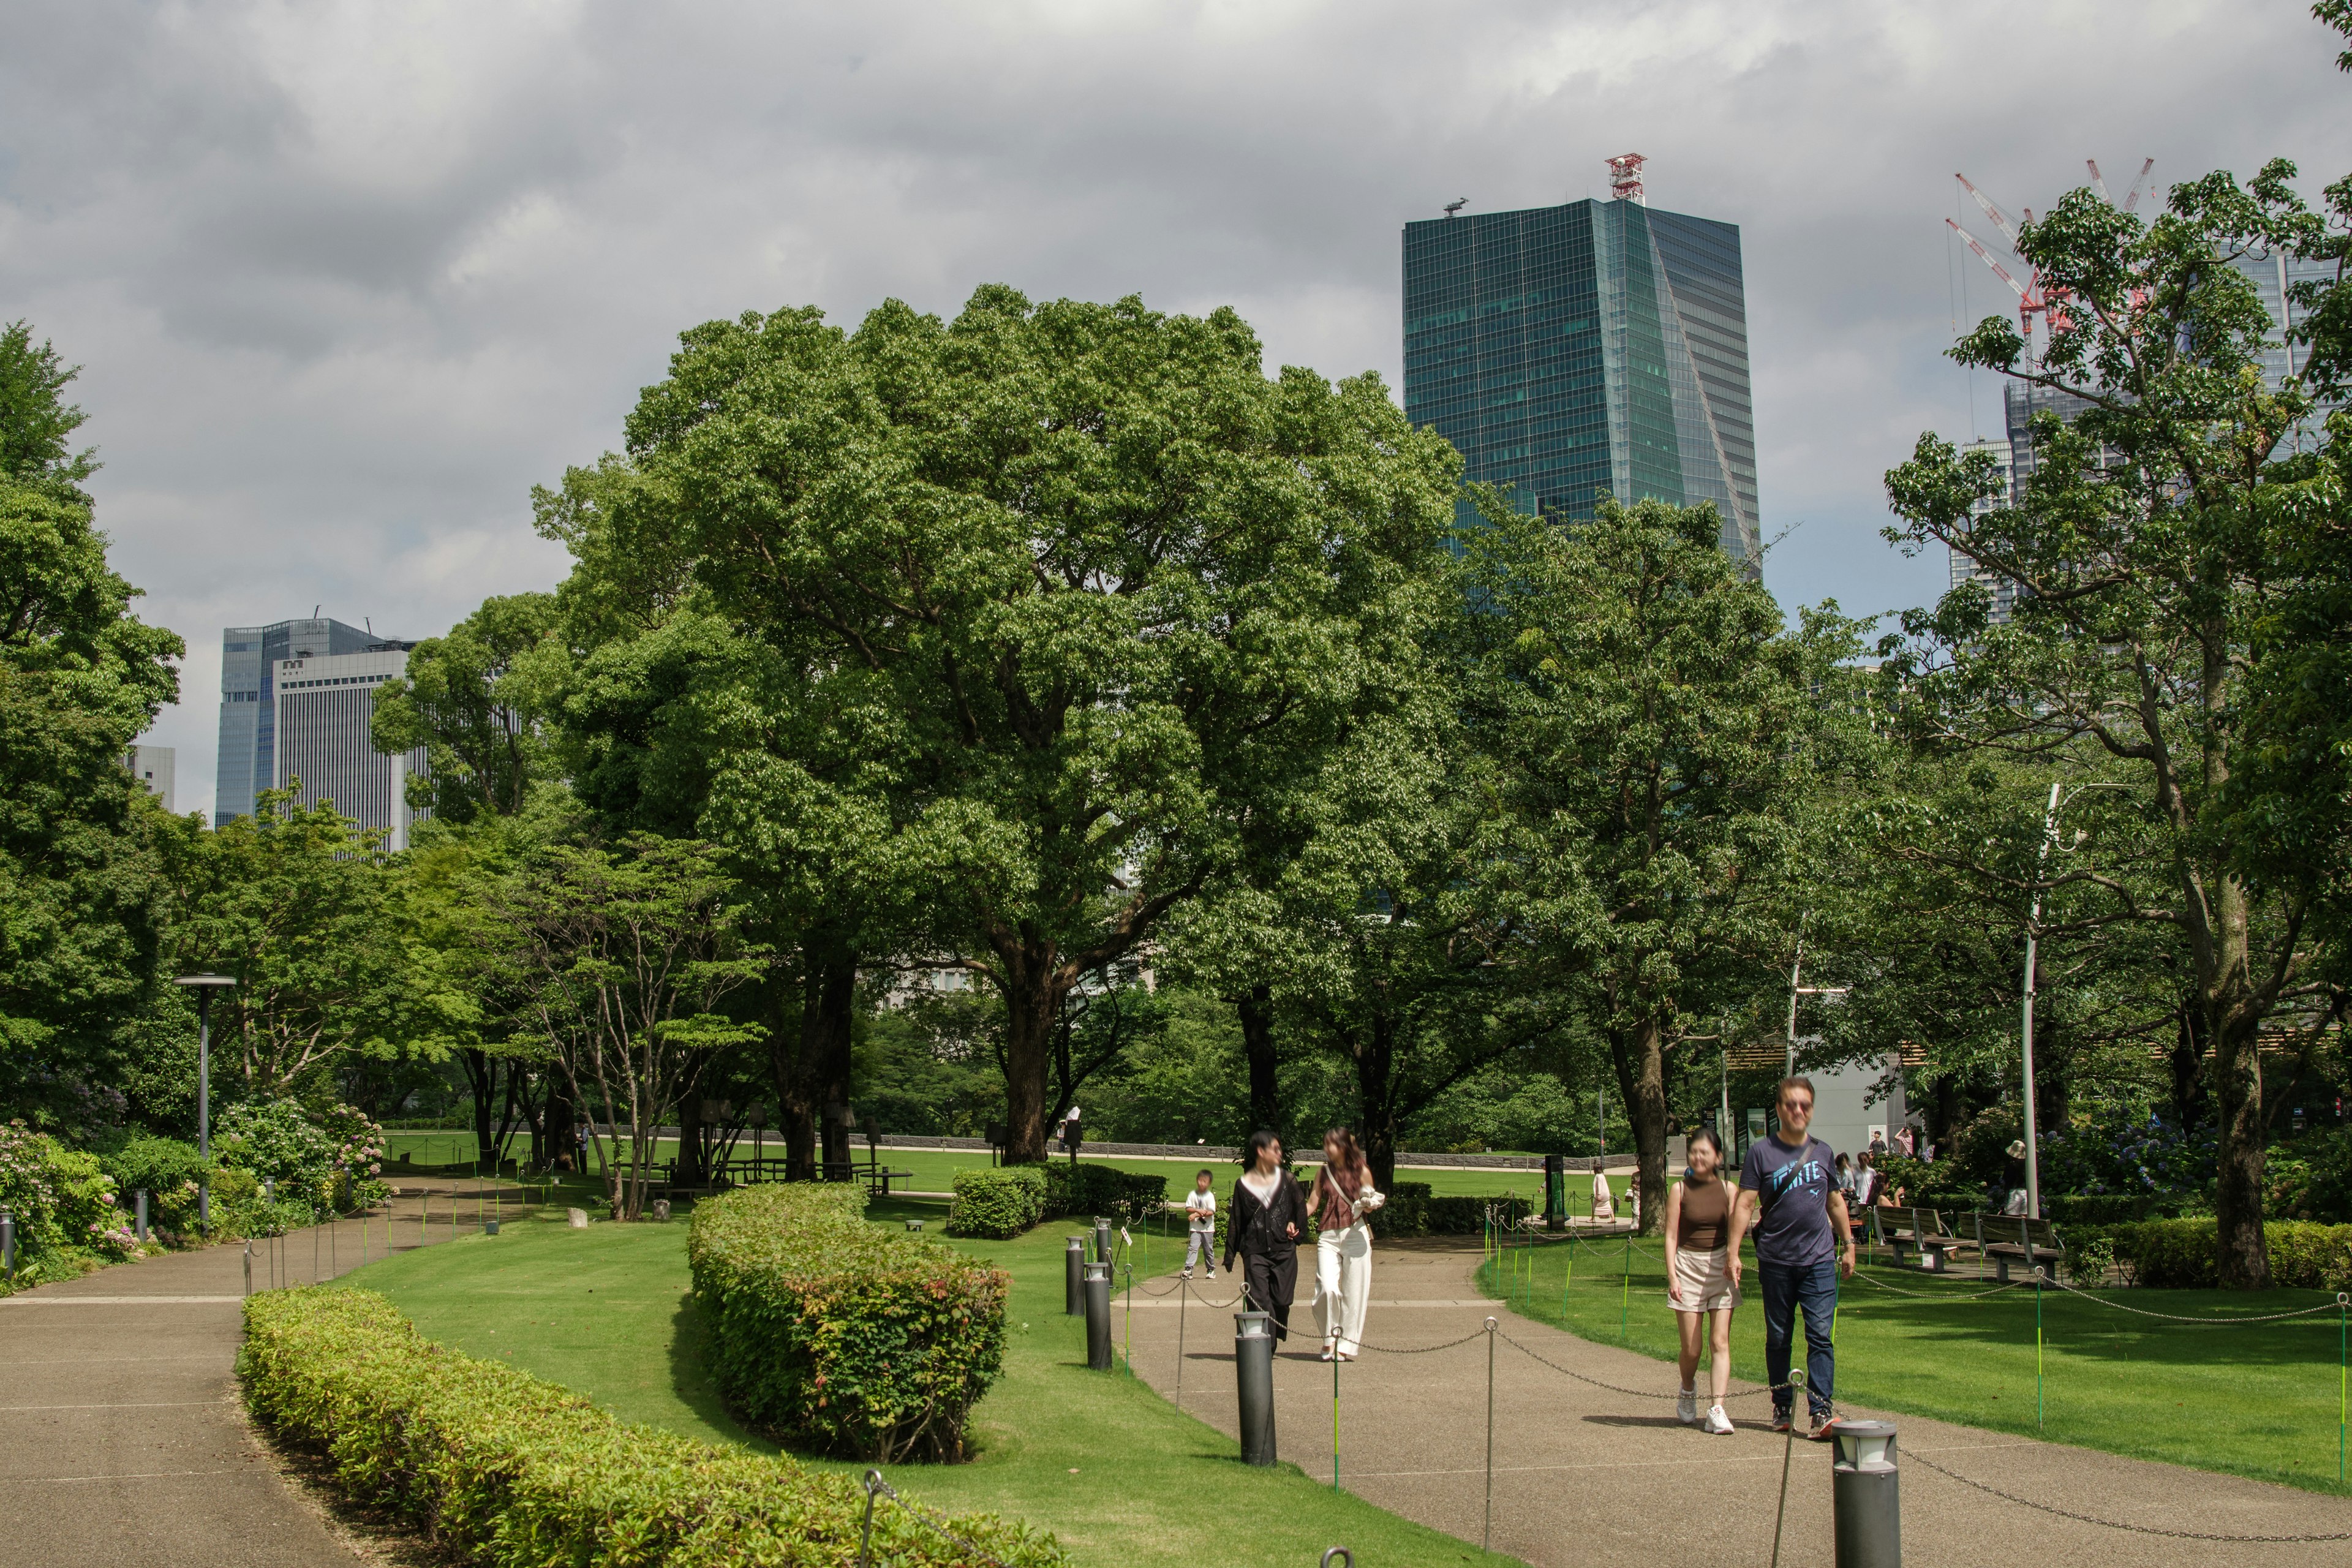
column 204, row 986
column 1098, row 1338
column 1865, row 1490
column 1254, row 1376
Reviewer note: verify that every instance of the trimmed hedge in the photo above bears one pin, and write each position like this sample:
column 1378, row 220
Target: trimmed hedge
column 998, row 1204
column 518, row 1473
column 832, row 1331
column 1105, row 1190
column 2182, row 1254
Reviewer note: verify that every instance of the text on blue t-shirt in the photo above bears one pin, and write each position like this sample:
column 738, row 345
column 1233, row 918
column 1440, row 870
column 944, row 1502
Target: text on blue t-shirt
column 1793, row 1188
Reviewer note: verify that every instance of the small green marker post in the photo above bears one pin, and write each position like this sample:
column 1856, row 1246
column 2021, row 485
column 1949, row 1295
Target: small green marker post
column 1335, row 1417
column 1625, row 1297
column 2342, row 1301
column 2037, row 1347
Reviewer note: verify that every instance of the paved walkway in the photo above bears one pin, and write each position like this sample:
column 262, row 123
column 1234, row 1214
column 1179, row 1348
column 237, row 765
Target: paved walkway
column 123, row 1441
column 1597, row 1478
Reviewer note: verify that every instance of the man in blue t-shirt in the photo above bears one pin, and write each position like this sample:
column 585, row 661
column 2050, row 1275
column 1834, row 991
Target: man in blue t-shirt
column 1789, row 1200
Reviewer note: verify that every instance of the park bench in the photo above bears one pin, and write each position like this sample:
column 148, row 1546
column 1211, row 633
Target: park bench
column 1923, row 1230
column 2013, row 1238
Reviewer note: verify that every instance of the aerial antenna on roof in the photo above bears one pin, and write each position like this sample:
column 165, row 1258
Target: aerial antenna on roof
column 314, row 611
column 1457, row 204
column 368, row 623
column 1625, row 178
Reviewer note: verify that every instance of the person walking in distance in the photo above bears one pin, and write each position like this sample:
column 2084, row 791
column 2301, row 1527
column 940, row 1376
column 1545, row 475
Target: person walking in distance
column 1263, row 1226
column 1342, row 1203
column 1699, row 1285
column 1789, row 1200
column 1200, row 1229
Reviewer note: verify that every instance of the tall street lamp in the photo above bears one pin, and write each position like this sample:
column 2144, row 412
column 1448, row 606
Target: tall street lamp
column 2033, row 941
column 204, row 986
column 1795, row 990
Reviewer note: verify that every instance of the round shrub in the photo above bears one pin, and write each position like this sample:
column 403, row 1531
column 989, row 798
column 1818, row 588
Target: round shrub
column 998, row 1204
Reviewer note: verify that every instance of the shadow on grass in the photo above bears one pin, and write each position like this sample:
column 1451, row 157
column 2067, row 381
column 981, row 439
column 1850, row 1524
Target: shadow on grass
column 689, row 1373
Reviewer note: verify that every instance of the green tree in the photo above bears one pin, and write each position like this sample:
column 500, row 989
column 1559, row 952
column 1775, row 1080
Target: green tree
column 625, row 956
column 2146, row 544
column 298, row 906
column 471, row 700
column 1657, row 738
column 1077, row 566
column 80, row 678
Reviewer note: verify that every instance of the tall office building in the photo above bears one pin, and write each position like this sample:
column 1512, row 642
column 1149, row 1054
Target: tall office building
column 2002, row 589
column 297, row 698
column 249, row 716
column 1597, row 348
column 324, row 708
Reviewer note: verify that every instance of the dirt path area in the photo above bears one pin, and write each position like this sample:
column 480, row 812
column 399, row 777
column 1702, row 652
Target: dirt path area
column 1589, row 1476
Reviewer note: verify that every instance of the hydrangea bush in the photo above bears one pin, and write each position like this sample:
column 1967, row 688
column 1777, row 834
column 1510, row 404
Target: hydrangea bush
column 64, row 1205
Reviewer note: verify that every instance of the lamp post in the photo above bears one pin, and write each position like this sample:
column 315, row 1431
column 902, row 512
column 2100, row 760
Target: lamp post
column 204, row 986
column 2025, row 1022
column 1795, row 968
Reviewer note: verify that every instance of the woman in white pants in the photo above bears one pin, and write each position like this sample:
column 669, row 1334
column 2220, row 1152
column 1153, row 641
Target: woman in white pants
column 1343, row 1201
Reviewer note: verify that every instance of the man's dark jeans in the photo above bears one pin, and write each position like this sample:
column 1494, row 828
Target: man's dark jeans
column 1813, row 1287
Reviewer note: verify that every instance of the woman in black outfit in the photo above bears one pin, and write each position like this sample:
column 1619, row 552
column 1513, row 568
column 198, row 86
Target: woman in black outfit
column 1264, row 1225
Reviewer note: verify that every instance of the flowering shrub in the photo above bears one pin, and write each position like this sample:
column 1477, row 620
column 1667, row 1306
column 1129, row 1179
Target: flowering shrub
column 359, row 1155
column 2310, row 1179
column 63, row 1202
column 2118, row 1149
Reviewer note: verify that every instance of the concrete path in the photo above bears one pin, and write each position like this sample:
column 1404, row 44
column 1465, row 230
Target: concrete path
column 121, row 1437
column 1598, row 1478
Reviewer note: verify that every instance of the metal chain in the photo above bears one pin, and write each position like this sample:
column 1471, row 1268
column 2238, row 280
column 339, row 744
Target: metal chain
column 2114, row 1524
column 1639, row 1393
column 1424, row 1350
column 1213, row 1306
column 2336, row 1305
column 1940, row 1295
column 876, row 1486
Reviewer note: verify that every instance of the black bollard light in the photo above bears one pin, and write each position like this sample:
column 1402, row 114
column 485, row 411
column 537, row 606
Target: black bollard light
column 1074, row 1277
column 1866, row 1493
column 142, row 1210
column 8, row 1244
column 1102, row 1238
column 1098, row 1343
column 1254, row 1376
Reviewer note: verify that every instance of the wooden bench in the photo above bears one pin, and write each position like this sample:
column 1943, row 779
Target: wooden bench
column 2013, row 1238
column 1921, row 1229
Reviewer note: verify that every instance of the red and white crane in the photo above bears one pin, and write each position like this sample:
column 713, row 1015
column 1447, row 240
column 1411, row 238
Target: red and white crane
column 2033, row 298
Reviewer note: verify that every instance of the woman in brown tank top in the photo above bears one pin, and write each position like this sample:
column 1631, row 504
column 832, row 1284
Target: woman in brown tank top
column 1699, row 1285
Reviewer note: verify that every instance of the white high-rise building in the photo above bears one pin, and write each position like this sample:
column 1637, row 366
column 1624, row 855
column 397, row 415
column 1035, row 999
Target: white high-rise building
column 154, row 767
column 324, row 707
column 2004, row 590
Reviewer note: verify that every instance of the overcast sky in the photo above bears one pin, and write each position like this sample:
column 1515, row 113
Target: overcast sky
column 346, row 280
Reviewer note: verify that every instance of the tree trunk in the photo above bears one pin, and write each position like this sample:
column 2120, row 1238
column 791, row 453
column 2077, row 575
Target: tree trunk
column 1376, row 1116
column 833, row 1011
column 690, row 1165
column 2244, row 1260
column 809, row 1059
column 2187, row 1062
column 1030, row 1002
column 482, row 1077
column 1645, row 1107
column 1254, row 1007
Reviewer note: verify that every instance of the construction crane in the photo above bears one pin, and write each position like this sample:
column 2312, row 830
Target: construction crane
column 2034, row 296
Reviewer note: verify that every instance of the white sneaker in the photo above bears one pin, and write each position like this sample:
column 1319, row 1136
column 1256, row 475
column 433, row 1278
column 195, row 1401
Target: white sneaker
column 1718, row 1425
column 1686, row 1408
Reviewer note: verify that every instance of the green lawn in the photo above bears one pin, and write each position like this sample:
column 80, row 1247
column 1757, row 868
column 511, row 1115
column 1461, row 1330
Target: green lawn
column 1099, row 1459
column 2253, row 1399
column 935, row 1168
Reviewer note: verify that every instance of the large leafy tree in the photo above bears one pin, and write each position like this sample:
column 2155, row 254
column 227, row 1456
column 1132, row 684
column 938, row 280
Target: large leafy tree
column 299, row 907
column 2147, row 544
column 470, row 700
column 80, row 676
column 1656, row 736
column 1076, row 568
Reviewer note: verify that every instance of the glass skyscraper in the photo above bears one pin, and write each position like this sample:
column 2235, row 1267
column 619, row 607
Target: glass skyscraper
column 1598, row 348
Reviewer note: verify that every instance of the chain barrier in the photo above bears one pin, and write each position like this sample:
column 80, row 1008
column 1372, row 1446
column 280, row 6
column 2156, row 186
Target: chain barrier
column 1424, row 1350
column 1915, row 1456
column 2175, row 1318
column 1648, row 1392
column 1940, row 1295
column 876, row 1487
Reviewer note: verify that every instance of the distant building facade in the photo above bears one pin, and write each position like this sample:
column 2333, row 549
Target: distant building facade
column 324, row 710
column 2272, row 277
column 155, row 767
column 247, row 761
column 1597, row 348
